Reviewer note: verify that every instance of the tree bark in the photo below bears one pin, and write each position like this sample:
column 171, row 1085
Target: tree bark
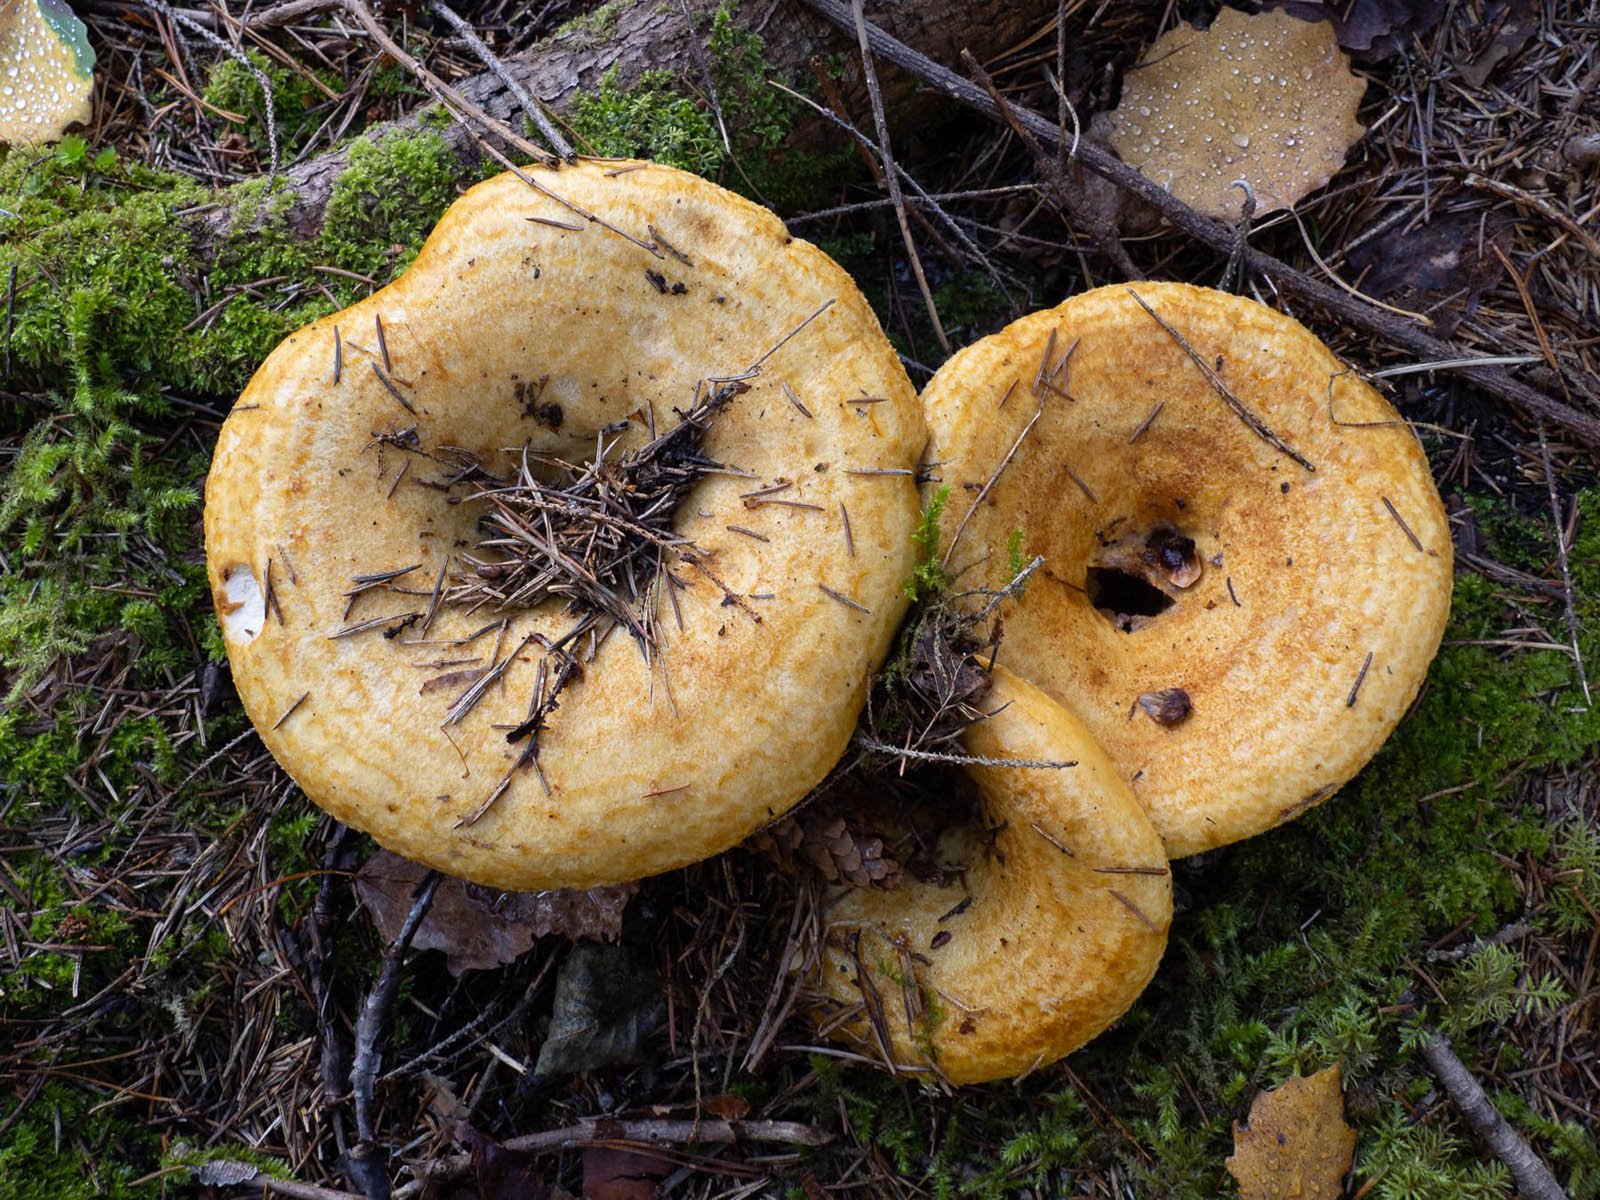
column 652, row 35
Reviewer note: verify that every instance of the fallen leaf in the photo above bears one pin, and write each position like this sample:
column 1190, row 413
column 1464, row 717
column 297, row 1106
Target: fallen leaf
column 1268, row 99
column 727, row 1107
column 49, row 71
column 479, row 928
column 1374, row 29
column 1441, row 268
column 1296, row 1145
column 1514, row 25
column 499, row 1172
column 504, row 1174
column 611, row 1173
column 607, row 1004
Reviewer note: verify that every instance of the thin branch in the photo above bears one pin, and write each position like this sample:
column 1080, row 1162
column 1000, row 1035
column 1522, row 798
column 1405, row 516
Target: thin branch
column 644, row 1132
column 536, row 111
column 367, row 1160
column 1533, row 1178
column 875, row 94
column 1222, row 238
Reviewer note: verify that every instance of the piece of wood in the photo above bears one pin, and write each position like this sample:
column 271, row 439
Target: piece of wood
column 1534, row 1180
column 647, row 35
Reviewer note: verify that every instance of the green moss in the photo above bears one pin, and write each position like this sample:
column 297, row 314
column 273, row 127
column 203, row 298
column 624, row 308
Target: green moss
column 927, row 577
column 593, row 28
column 392, row 191
column 97, row 1157
column 671, row 120
column 113, row 312
column 298, row 106
column 760, row 120
column 651, row 120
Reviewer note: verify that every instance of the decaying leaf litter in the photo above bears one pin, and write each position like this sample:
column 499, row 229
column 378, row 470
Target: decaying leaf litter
column 236, row 960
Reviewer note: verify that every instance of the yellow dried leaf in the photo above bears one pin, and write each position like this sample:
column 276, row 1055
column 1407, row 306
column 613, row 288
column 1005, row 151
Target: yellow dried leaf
column 1296, row 1145
column 46, row 71
column 1267, row 98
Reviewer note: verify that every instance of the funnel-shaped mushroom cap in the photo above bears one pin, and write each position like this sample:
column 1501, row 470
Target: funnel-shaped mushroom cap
column 556, row 318
column 1268, row 99
column 46, row 71
column 1247, row 567
column 1047, row 935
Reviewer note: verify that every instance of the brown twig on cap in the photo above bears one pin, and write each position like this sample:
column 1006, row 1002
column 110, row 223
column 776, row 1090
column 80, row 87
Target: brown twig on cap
column 1404, row 528
column 291, row 710
column 788, row 394
column 843, row 599
column 391, row 389
column 1254, row 423
column 1135, row 910
column 1361, row 677
column 1139, row 430
column 988, row 487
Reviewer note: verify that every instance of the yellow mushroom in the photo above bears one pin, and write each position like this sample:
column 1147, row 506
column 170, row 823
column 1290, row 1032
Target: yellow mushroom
column 1029, row 944
column 1247, row 567
column 353, row 483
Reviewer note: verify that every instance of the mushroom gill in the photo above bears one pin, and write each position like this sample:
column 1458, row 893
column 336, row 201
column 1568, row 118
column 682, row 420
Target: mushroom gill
column 1268, row 99
column 46, row 71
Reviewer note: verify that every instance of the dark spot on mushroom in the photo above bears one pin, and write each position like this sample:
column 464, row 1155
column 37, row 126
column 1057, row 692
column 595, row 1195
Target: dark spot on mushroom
column 1168, row 707
column 1124, row 597
column 1173, row 554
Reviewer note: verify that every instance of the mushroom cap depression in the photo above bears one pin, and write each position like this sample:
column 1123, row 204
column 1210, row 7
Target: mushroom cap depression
column 1045, row 937
column 540, row 317
column 1238, row 623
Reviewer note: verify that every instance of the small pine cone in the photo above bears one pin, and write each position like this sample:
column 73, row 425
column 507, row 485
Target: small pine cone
column 777, row 841
column 840, row 856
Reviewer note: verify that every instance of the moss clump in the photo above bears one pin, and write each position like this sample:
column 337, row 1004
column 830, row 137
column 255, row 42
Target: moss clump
column 393, row 190
column 667, row 119
column 98, row 1157
column 761, row 120
column 295, row 101
column 927, row 577
column 115, row 310
column 593, row 28
column 651, row 120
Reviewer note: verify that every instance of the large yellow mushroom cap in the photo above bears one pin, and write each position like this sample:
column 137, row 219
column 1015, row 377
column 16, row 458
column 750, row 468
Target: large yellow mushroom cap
column 339, row 506
column 1268, row 99
column 1239, row 613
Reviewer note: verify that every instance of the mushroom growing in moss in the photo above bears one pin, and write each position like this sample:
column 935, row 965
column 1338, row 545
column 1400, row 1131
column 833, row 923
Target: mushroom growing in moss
column 1266, row 99
column 46, row 71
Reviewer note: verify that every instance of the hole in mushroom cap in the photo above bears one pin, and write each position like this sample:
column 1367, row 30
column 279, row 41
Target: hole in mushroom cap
column 242, row 607
column 1127, row 600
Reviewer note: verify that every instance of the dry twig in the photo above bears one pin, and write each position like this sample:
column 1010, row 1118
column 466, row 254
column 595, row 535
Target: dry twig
column 1222, row 238
column 1533, row 1178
